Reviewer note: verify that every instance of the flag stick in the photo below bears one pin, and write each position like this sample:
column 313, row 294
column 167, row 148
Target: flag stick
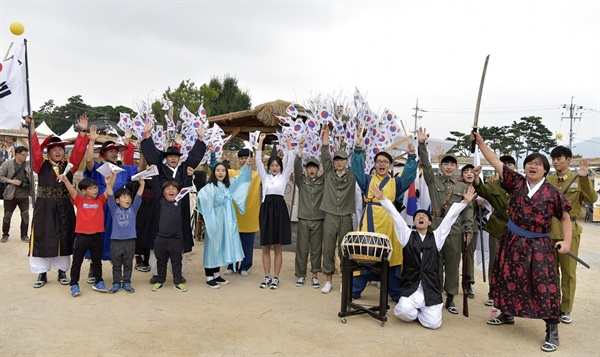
column 31, row 178
column 8, row 51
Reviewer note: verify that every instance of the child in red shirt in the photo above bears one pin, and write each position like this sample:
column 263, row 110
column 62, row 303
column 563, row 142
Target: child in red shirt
column 89, row 224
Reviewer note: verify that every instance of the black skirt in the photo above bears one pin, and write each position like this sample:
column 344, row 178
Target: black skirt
column 275, row 226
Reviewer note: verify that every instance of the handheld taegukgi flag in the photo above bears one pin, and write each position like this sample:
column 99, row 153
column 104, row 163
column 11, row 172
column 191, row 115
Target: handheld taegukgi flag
column 184, row 191
column 292, row 111
column 124, row 121
column 13, row 90
column 254, row 139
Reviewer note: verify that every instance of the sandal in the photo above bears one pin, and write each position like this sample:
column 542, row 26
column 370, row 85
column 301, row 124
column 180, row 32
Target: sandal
column 549, row 347
column 62, row 278
column 41, row 281
column 503, row 319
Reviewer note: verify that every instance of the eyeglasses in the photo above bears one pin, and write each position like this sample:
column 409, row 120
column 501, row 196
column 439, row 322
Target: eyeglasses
column 382, row 162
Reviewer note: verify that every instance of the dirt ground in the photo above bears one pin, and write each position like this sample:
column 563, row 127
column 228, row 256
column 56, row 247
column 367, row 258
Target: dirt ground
column 241, row 319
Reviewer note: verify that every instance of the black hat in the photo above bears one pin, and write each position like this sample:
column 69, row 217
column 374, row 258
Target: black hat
column 172, row 150
column 423, row 211
column 507, row 159
column 244, row 152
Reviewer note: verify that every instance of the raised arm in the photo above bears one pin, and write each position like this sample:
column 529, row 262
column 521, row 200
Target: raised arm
column 89, row 155
column 455, row 210
column 298, row 164
column 409, row 173
column 37, row 156
column 325, row 155
column 152, row 155
column 260, row 167
column 489, row 155
column 68, row 185
column 288, row 159
column 140, row 190
column 81, row 143
column 587, row 191
column 402, row 230
column 424, row 157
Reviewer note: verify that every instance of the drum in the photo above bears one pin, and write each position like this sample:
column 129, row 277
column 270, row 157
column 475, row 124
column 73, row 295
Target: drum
column 366, row 246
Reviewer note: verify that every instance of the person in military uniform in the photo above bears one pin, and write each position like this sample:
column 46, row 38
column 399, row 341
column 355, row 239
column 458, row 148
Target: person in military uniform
column 578, row 189
column 499, row 199
column 444, row 190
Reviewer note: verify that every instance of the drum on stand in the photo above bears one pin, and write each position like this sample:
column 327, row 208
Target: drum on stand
column 365, row 251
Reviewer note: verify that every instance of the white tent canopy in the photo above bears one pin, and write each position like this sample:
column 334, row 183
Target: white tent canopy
column 69, row 135
column 44, row 129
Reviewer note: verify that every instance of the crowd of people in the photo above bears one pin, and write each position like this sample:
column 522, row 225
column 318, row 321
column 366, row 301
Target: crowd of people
column 144, row 224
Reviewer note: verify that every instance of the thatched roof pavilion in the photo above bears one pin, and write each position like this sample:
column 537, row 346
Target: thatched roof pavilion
column 261, row 118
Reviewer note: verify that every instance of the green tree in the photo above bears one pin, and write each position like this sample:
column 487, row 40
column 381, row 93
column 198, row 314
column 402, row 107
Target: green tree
column 538, row 138
column 462, row 146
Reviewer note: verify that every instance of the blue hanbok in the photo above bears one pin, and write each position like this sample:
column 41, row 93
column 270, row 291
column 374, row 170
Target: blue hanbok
column 222, row 245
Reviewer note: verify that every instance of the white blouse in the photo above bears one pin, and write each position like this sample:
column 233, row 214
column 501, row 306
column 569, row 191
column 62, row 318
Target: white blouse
column 275, row 185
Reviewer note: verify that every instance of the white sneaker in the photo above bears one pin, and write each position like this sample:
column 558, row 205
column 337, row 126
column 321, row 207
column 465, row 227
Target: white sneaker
column 244, row 273
column 327, row 288
column 300, row 282
column 228, row 272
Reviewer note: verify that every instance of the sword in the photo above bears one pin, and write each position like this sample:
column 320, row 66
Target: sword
column 579, row 260
column 476, row 120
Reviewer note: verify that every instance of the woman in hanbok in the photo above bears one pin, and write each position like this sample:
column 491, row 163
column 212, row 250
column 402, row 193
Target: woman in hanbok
column 222, row 245
column 524, row 280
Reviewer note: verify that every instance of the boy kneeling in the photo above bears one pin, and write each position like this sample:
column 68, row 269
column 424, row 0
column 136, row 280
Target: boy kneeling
column 420, row 288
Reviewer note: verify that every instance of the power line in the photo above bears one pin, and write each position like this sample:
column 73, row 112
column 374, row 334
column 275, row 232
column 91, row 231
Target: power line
column 574, row 114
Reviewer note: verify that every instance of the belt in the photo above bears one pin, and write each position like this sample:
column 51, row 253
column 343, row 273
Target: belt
column 438, row 213
column 525, row 233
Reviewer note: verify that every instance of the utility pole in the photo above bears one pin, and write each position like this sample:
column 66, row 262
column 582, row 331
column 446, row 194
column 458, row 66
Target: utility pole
column 574, row 114
column 417, row 116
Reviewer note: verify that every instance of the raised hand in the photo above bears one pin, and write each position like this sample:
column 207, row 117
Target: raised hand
column 200, row 132
column 82, row 122
column 94, row 133
column 178, row 139
column 411, row 148
column 249, row 161
column 422, row 135
column 190, row 171
column 210, row 147
column 470, row 194
column 376, row 192
column 439, row 151
column 128, row 134
column 583, row 168
column 148, row 127
column 477, row 171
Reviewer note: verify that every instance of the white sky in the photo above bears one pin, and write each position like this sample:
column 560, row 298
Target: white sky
column 115, row 52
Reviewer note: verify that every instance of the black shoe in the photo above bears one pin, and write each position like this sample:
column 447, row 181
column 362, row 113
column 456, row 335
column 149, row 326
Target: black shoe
column 450, row 305
column 154, row 279
column 551, row 342
column 212, row 284
column 41, row 281
column 503, row 319
column 25, row 239
column 62, row 278
column 470, row 292
column 4, row 239
column 220, row 280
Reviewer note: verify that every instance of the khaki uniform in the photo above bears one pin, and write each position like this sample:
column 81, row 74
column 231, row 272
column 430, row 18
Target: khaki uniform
column 580, row 191
column 498, row 198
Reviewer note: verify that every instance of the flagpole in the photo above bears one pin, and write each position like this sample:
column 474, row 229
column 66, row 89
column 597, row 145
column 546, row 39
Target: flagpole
column 8, row 51
column 31, row 178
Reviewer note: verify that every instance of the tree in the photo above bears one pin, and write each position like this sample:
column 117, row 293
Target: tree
column 538, row 138
column 463, row 143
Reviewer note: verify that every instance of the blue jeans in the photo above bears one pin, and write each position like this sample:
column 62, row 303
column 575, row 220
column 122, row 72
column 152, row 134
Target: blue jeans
column 248, row 248
column 360, row 282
